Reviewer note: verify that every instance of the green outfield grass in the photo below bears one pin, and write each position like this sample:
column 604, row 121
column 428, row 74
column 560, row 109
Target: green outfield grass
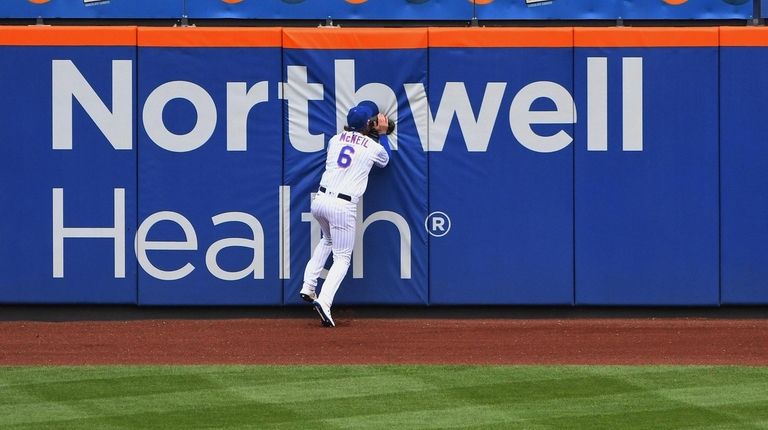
column 383, row 397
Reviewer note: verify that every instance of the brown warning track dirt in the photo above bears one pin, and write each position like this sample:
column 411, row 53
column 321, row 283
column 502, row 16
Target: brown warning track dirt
column 387, row 341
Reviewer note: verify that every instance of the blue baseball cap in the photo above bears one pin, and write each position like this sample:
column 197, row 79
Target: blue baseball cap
column 358, row 117
column 371, row 106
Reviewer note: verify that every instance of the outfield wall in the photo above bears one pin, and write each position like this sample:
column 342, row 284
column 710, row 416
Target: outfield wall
column 551, row 166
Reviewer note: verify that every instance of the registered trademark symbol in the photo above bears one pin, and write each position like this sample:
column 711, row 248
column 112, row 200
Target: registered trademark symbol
column 438, row 224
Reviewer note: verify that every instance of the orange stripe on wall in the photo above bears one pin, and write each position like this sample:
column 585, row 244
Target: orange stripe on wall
column 743, row 36
column 205, row 37
column 67, row 36
column 486, row 37
column 375, row 38
column 354, row 38
column 645, row 37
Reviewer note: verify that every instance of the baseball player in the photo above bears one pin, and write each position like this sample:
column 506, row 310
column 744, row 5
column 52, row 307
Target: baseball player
column 349, row 159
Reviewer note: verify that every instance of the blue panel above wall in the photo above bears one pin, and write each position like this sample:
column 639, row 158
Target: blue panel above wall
column 92, row 9
column 411, row 10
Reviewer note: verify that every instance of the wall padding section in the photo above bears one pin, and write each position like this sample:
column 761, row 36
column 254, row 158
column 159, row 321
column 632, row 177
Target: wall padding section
column 744, row 165
column 67, row 183
column 327, row 71
column 501, row 166
column 210, row 166
column 646, row 220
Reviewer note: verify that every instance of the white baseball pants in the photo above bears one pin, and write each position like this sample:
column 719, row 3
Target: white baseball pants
column 337, row 219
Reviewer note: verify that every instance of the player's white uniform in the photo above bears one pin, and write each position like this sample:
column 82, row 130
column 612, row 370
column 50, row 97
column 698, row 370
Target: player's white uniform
column 348, row 163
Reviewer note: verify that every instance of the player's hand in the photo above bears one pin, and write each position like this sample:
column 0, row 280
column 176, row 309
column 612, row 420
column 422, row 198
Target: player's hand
column 382, row 124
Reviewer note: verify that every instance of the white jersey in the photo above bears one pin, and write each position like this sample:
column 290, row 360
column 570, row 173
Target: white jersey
column 350, row 158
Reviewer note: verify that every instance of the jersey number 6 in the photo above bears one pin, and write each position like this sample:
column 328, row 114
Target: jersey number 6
column 345, row 156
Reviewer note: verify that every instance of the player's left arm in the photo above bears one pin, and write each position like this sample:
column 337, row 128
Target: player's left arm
column 381, row 158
